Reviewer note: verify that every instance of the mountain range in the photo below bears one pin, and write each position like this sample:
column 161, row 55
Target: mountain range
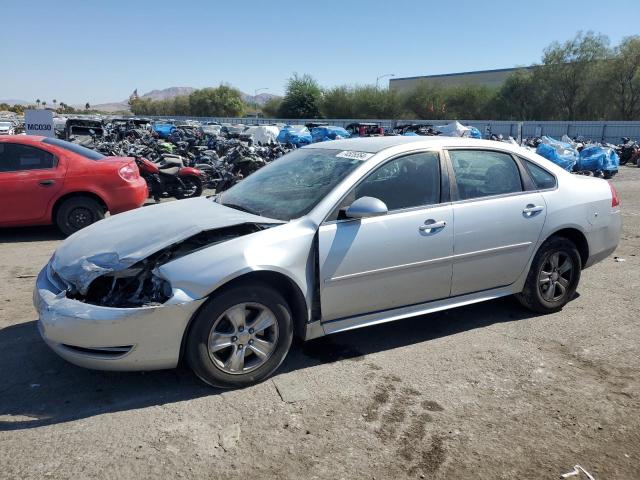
column 163, row 94
column 173, row 92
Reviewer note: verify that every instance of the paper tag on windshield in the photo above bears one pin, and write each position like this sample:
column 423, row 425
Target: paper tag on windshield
column 355, row 155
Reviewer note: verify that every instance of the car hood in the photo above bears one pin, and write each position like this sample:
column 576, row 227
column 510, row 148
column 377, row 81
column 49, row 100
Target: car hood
column 120, row 241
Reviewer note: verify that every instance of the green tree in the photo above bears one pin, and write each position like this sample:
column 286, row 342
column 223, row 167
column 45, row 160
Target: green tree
column 426, row 101
column 372, row 102
column 520, row 97
column 224, row 101
column 470, row 102
column 302, row 99
column 337, row 102
column 568, row 72
column 622, row 78
column 271, row 107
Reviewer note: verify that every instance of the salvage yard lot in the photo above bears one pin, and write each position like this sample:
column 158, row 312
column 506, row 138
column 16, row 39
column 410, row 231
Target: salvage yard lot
column 485, row 391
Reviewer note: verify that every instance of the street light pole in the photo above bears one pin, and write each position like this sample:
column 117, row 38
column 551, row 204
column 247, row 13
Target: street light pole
column 383, row 76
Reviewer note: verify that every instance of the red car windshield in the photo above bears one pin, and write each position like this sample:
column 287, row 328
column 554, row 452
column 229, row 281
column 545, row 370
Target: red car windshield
column 75, row 148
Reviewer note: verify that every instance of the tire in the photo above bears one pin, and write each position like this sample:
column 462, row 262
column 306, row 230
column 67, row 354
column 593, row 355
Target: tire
column 220, row 366
column 192, row 185
column 542, row 276
column 75, row 213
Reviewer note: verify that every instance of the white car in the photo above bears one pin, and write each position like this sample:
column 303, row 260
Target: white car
column 6, row 128
column 330, row 237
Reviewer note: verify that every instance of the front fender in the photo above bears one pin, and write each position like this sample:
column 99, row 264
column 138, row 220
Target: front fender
column 286, row 249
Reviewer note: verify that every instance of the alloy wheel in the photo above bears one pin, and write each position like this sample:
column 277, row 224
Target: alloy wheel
column 243, row 338
column 555, row 277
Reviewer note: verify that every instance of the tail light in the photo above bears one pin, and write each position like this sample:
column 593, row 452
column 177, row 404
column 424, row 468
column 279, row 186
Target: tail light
column 129, row 172
column 615, row 201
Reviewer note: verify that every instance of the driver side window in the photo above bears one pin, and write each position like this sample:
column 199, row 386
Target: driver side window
column 405, row 182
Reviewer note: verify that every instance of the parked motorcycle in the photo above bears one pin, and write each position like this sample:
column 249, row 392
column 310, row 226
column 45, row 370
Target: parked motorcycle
column 629, row 152
column 170, row 179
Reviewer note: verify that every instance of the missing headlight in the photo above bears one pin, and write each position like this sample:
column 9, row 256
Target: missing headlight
column 140, row 286
column 134, row 287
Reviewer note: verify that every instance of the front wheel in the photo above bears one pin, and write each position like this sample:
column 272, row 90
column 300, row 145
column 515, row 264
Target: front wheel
column 240, row 337
column 553, row 277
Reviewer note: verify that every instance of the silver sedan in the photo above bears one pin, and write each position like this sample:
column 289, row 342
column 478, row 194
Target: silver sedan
column 330, row 237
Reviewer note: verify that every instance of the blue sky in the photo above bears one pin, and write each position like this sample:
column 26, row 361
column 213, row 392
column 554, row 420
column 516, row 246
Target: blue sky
column 99, row 51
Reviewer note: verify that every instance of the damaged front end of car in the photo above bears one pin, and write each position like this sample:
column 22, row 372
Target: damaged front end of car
column 109, row 281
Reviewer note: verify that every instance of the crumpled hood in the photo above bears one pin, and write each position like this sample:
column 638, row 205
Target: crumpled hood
column 119, row 241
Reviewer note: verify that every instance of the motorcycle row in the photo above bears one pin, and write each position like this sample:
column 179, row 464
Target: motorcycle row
column 189, row 160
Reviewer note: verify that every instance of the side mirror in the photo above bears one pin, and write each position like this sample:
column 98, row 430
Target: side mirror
column 365, row 207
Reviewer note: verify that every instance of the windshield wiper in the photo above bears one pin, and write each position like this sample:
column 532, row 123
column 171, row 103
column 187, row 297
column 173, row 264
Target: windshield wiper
column 240, row 207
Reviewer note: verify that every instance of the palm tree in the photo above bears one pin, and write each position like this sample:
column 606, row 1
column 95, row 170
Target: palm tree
column 44, row 104
column 54, row 103
column 87, row 106
column 38, row 102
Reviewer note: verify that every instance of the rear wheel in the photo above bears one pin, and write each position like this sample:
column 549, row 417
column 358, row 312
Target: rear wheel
column 192, row 187
column 75, row 213
column 240, row 337
column 553, row 278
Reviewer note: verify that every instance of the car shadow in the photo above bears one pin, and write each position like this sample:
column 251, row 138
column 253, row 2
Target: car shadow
column 38, row 388
column 30, row 234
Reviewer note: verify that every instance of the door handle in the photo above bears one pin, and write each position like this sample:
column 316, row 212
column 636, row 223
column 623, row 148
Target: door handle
column 431, row 224
column 46, row 183
column 531, row 210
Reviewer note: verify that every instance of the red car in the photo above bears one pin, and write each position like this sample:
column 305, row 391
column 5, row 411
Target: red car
column 47, row 180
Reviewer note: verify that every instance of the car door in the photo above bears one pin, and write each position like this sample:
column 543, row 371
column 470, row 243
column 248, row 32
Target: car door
column 30, row 178
column 393, row 260
column 499, row 216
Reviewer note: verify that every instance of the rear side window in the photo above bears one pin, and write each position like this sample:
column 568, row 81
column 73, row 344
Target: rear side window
column 75, row 148
column 482, row 173
column 15, row 157
column 540, row 176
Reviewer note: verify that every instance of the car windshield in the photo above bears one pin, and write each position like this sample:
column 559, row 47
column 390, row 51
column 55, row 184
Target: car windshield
column 75, row 148
column 292, row 185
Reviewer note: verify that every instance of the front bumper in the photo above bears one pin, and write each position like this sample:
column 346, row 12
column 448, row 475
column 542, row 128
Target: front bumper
column 105, row 338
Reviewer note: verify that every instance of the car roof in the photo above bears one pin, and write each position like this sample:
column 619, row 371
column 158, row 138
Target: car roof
column 22, row 138
column 377, row 144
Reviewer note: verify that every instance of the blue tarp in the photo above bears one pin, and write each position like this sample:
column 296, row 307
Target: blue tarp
column 599, row 158
column 328, row 132
column 591, row 158
column 297, row 135
column 474, row 133
column 163, row 129
column 566, row 158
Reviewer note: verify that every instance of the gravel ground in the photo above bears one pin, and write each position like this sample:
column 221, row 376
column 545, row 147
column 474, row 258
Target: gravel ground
column 487, row 391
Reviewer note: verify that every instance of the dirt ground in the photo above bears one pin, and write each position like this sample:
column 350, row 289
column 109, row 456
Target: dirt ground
column 488, row 391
